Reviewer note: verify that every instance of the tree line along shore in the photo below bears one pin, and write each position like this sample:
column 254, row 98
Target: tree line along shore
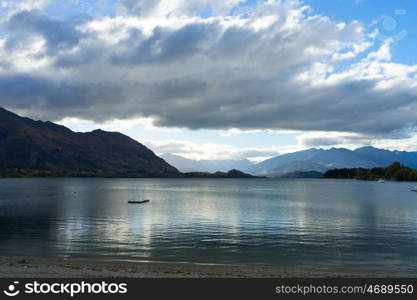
column 395, row 172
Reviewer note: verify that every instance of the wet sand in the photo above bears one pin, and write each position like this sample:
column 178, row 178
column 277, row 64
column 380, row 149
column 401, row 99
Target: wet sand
column 19, row 267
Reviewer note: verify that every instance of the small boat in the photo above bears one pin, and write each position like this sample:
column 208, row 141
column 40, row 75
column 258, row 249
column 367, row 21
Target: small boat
column 414, row 189
column 138, row 201
column 381, row 180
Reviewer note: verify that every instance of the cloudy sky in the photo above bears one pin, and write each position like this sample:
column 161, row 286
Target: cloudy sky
column 217, row 79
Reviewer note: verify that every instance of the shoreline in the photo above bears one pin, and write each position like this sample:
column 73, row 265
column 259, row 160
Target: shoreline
column 36, row 267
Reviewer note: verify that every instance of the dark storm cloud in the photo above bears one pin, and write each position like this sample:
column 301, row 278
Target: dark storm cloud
column 351, row 107
column 198, row 73
column 57, row 34
column 50, row 100
column 165, row 46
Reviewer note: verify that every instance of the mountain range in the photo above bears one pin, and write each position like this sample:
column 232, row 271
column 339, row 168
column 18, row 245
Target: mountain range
column 301, row 163
column 31, row 148
column 321, row 160
column 189, row 165
column 26, row 144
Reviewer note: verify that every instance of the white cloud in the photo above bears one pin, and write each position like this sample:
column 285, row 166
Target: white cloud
column 176, row 8
column 213, row 151
column 382, row 54
column 11, row 7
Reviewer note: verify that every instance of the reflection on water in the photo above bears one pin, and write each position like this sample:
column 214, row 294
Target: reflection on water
column 328, row 223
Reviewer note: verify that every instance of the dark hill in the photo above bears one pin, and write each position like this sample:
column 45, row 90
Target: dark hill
column 230, row 174
column 301, row 174
column 26, row 144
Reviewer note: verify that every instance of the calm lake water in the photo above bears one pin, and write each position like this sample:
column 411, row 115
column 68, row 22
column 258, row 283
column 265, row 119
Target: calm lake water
column 323, row 223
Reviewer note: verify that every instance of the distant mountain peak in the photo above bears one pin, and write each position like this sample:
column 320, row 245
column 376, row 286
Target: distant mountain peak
column 369, row 148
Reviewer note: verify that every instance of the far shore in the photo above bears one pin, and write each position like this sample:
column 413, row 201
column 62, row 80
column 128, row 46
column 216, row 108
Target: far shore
column 20, row 267
column 232, row 174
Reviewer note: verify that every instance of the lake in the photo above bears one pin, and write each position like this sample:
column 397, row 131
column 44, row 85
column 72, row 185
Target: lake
column 285, row 222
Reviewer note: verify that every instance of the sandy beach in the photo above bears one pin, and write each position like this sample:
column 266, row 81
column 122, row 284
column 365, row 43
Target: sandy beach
column 18, row 267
